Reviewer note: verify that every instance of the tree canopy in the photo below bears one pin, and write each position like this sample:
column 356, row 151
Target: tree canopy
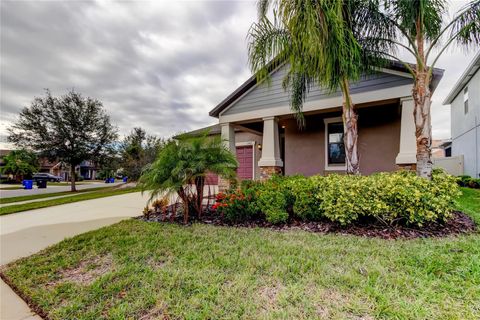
column 137, row 150
column 70, row 128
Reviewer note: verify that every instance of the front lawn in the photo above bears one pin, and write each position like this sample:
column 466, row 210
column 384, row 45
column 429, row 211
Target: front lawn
column 143, row 270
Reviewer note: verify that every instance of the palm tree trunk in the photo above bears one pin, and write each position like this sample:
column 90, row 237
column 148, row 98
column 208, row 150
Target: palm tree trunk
column 183, row 195
column 423, row 128
column 199, row 185
column 72, row 178
column 421, row 112
column 350, row 128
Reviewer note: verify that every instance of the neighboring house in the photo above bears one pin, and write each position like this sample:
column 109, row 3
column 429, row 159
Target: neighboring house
column 465, row 118
column 441, row 148
column 257, row 124
column 87, row 169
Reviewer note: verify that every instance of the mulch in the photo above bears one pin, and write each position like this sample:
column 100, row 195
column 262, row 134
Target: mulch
column 460, row 223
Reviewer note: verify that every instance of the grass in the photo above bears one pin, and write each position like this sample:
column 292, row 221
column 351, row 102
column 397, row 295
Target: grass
column 470, row 203
column 46, row 195
column 11, row 187
column 136, row 269
column 87, row 194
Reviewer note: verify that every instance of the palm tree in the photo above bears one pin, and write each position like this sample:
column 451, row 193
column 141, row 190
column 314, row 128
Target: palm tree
column 20, row 163
column 181, row 167
column 419, row 28
column 318, row 39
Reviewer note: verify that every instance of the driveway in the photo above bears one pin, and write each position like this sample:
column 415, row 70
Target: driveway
column 52, row 189
column 24, row 233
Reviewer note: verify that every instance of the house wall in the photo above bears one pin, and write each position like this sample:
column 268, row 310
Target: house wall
column 466, row 127
column 379, row 141
column 269, row 95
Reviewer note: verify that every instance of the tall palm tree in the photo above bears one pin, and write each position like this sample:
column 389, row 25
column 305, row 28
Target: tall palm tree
column 419, row 27
column 318, row 39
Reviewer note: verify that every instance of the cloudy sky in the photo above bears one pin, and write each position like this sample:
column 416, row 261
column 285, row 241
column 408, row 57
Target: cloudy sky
column 161, row 65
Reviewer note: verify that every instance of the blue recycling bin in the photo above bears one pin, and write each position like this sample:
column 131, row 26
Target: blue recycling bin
column 125, row 179
column 112, row 180
column 27, row 184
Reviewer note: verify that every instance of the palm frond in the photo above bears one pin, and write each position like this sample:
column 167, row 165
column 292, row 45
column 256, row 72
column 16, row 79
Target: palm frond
column 466, row 26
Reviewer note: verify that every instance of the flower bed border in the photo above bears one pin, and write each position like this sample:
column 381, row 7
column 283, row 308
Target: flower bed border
column 460, row 223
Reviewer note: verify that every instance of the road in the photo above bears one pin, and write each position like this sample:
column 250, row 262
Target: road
column 24, row 233
column 53, row 189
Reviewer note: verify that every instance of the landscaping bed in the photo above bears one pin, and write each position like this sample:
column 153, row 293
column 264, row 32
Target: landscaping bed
column 459, row 223
column 386, row 205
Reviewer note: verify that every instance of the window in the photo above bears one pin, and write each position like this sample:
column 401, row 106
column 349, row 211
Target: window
column 465, row 100
column 336, row 148
column 448, row 151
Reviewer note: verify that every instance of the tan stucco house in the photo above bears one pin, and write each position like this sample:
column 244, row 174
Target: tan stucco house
column 257, row 124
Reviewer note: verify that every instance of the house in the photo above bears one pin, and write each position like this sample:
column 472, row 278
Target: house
column 464, row 100
column 257, row 124
column 87, row 169
column 441, row 148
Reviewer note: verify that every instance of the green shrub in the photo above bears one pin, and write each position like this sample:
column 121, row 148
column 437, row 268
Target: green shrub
column 392, row 198
column 469, row 182
column 307, row 206
column 235, row 205
column 274, row 199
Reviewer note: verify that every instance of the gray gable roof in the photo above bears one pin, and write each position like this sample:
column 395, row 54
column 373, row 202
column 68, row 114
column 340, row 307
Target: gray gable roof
column 252, row 82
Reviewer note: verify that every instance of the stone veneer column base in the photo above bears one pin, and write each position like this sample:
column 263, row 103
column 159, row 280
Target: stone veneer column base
column 223, row 184
column 407, row 166
column 267, row 172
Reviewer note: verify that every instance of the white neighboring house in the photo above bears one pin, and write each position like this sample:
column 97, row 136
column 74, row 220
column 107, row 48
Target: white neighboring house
column 465, row 117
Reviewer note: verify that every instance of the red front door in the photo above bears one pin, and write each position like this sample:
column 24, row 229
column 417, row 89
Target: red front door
column 245, row 162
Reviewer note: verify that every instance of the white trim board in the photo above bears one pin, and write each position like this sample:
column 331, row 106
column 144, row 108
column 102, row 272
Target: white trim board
column 332, row 102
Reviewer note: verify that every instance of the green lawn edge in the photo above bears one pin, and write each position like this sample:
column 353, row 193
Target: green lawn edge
column 74, row 198
column 47, row 195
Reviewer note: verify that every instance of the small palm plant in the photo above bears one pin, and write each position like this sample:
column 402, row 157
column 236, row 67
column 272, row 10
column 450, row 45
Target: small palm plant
column 181, row 167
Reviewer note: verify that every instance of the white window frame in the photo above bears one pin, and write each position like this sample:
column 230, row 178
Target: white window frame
column 332, row 167
column 246, row 144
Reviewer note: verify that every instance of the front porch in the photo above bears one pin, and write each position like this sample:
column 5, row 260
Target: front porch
column 276, row 145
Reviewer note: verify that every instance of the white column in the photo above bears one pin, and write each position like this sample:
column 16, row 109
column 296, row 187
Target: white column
column 228, row 136
column 271, row 144
column 408, row 145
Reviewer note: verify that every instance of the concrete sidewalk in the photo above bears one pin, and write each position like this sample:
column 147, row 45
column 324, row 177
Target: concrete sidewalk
column 24, row 233
column 52, row 189
column 42, row 199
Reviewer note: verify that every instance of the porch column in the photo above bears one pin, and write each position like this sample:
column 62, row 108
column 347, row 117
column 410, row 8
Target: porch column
column 270, row 162
column 228, row 138
column 407, row 156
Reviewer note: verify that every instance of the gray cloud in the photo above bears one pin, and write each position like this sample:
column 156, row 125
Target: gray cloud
column 159, row 65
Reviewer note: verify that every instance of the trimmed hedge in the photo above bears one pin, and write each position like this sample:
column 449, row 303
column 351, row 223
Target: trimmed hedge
column 392, row 198
column 469, row 182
